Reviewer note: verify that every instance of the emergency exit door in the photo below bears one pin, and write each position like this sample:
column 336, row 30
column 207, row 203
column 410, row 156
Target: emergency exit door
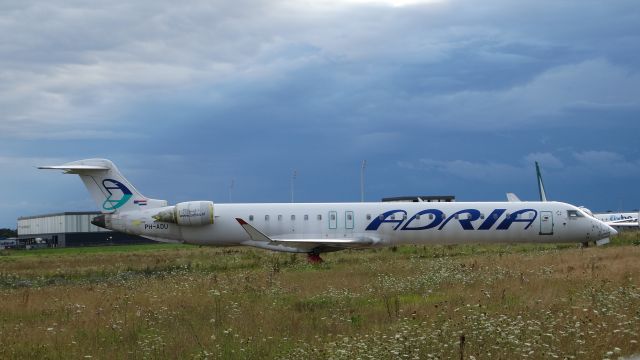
column 546, row 223
column 333, row 219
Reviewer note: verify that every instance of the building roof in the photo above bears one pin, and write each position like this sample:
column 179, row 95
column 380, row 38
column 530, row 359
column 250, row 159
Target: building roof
column 60, row 214
column 420, row 198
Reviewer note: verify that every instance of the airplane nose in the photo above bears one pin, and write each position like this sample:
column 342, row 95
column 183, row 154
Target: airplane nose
column 613, row 231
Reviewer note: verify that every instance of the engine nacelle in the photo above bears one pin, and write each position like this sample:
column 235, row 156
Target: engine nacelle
column 191, row 213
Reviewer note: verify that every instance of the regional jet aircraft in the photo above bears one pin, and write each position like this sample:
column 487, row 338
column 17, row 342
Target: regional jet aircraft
column 315, row 228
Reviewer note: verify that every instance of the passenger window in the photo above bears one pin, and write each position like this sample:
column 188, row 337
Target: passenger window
column 349, row 217
column 368, row 216
column 418, row 217
column 333, row 216
column 430, row 216
column 393, row 217
column 279, row 217
column 250, row 217
column 293, row 217
column 381, row 217
column 266, row 218
column 481, row 215
column 306, row 217
column 319, row 217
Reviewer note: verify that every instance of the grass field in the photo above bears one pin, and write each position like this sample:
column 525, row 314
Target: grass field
column 413, row 302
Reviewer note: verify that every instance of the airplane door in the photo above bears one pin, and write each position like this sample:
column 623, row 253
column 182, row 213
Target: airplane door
column 348, row 220
column 333, row 219
column 546, row 223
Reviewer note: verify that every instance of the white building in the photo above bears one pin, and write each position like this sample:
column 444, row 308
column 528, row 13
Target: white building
column 71, row 229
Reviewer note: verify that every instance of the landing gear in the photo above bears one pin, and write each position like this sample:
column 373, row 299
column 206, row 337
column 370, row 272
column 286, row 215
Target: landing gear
column 314, row 258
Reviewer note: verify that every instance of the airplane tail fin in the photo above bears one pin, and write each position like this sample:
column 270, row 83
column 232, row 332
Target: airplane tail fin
column 543, row 194
column 110, row 190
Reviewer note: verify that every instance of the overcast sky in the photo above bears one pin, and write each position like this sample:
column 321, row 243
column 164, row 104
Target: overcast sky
column 440, row 97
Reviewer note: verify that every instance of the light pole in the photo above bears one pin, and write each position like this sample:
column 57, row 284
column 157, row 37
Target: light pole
column 364, row 165
column 293, row 178
column 233, row 183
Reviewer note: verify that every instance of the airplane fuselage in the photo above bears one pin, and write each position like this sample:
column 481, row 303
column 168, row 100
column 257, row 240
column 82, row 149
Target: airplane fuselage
column 382, row 224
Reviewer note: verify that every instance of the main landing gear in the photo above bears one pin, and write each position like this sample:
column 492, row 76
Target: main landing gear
column 314, row 258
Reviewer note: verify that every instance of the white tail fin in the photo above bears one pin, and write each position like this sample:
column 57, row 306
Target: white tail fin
column 543, row 194
column 109, row 189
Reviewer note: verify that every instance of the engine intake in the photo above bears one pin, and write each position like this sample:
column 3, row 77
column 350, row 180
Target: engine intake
column 191, row 213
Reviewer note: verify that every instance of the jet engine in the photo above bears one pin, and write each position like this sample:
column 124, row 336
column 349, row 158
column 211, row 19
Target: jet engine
column 191, row 213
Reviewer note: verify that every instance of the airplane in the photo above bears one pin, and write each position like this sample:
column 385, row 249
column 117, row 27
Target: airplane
column 620, row 219
column 315, row 228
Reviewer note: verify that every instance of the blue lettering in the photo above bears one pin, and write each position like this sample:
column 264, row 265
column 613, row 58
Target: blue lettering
column 375, row 224
column 515, row 217
column 466, row 223
column 437, row 219
column 491, row 219
column 465, row 217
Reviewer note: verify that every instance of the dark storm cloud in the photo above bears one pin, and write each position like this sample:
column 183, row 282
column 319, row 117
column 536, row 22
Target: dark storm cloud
column 438, row 96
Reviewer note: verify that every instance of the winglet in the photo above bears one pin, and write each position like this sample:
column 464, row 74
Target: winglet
column 511, row 197
column 253, row 233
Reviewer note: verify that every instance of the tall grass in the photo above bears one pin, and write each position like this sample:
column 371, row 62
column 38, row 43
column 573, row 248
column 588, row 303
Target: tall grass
column 416, row 302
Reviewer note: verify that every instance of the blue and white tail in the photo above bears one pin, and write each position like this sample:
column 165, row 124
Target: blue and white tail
column 109, row 189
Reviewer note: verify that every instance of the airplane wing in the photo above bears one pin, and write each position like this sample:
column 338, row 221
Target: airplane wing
column 307, row 244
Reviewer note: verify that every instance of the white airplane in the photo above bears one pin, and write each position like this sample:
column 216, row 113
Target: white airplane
column 315, row 228
column 621, row 219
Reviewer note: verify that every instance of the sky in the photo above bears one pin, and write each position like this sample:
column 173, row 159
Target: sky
column 440, row 97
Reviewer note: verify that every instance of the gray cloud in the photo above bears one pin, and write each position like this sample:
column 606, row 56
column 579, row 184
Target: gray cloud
column 261, row 87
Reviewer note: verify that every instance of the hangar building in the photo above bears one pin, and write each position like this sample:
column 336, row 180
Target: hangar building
column 72, row 229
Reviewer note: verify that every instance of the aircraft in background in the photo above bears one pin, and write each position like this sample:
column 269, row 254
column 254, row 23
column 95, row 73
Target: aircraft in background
column 315, row 228
column 621, row 219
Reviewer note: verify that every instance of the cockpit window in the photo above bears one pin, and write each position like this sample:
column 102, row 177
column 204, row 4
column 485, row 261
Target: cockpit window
column 574, row 214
